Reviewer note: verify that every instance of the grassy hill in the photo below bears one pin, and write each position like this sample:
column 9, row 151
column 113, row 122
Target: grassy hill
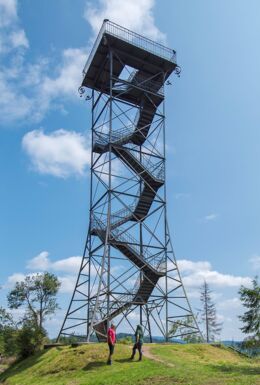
column 166, row 365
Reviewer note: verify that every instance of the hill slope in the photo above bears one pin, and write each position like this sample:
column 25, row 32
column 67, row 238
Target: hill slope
column 166, row 365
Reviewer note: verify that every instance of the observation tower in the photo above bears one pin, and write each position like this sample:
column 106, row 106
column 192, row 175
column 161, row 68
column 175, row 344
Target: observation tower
column 128, row 274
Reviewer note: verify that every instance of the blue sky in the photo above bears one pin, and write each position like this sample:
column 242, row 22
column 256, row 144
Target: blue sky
column 213, row 136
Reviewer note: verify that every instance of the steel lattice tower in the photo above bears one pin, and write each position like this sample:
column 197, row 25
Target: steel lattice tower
column 128, row 273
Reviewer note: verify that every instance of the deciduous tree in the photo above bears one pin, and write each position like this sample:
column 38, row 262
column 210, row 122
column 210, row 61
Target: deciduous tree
column 37, row 293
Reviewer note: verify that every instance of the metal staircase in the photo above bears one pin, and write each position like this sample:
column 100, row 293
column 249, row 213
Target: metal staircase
column 152, row 176
column 152, row 268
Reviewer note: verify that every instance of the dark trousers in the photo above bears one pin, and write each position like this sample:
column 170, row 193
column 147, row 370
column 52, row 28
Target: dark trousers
column 111, row 352
column 137, row 346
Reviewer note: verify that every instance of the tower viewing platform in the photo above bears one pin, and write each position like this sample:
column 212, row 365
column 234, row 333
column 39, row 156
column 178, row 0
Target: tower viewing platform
column 146, row 59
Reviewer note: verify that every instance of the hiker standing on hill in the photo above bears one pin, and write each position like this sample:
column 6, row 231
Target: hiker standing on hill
column 111, row 340
column 139, row 339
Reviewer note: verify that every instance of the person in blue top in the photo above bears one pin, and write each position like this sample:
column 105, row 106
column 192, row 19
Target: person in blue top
column 139, row 339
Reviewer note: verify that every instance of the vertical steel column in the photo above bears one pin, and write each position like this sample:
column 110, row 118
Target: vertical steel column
column 165, row 223
column 110, row 177
column 90, row 208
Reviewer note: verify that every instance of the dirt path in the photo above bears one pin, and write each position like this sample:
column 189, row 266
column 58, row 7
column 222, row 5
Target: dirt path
column 147, row 353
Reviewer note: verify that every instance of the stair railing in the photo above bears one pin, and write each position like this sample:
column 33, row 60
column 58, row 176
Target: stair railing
column 156, row 262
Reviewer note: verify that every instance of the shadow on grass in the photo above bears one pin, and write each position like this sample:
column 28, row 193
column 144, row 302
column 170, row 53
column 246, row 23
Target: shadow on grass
column 123, row 360
column 21, row 365
column 94, row 365
column 236, row 369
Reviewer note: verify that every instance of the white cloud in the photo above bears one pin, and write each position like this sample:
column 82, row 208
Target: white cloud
column 40, row 262
column 67, row 284
column 19, row 39
column 67, row 281
column 13, row 104
column 136, row 15
column 11, row 35
column 29, row 90
column 69, row 76
column 43, row 262
column 255, row 262
column 195, row 273
column 12, row 279
column 210, row 217
column 69, row 265
column 230, row 304
column 61, row 153
column 8, row 12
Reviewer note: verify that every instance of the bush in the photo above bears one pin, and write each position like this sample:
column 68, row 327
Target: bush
column 29, row 340
column 126, row 340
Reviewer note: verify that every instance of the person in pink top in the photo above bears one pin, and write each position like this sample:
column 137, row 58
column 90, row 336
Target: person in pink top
column 111, row 340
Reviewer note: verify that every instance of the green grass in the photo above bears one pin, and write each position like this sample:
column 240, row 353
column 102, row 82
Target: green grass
column 193, row 365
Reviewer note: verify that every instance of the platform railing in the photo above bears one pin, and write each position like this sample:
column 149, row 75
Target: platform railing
column 120, row 136
column 133, row 38
column 140, row 41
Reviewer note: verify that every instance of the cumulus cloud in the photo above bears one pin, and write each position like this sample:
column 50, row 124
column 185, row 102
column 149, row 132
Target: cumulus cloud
column 139, row 16
column 61, row 153
column 230, row 304
column 12, row 279
column 40, row 262
column 11, row 35
column 19, row 39
column 195, row 273
column 28, row 90
column 66, row 270
column 43, row 262
column 8, row 12
column 34, row 91
column 67, row 284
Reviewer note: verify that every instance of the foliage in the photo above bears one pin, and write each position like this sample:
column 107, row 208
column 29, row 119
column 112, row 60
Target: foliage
column 250, row 298
column 5, row 319
column 67, row 340
column 29, row 339
column 38, row 294
column 8, row 334
column 208, row 314
column 126, row 340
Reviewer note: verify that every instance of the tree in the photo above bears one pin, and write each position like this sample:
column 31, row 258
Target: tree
column 38, row 294
column 5, row 319
column 8, row 334
column 209, row 314
column 250, row 298
column 185, row 329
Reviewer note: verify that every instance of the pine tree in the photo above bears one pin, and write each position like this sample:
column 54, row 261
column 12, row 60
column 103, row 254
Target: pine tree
column 250, row 298
column 209, row 314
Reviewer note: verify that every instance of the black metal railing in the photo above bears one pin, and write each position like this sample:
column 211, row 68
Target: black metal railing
column 133, row 38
